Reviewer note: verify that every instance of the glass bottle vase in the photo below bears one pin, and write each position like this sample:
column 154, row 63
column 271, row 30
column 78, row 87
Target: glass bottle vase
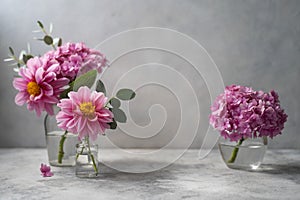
column 60, row 145
column 86, row 159
column 245, row 155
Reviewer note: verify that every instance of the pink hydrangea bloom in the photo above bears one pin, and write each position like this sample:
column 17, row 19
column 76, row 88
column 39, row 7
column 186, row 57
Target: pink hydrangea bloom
column 84, row 113
column 74, row 59
column 46, row 170
column 241, row 112
column 38, row 87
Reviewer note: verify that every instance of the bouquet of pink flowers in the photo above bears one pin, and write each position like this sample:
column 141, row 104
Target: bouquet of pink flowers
column 240, row 113
column 63, row 77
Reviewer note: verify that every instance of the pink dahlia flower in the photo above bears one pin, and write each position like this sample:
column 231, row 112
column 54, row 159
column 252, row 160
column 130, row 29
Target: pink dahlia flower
column 38, row 87
column 74, row 59
column 84, row 113
column 241, row 112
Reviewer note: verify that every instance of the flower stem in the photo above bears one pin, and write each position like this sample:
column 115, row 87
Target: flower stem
column 235, row 151
column 92, row 157
column 61, row 147
column 77, row 155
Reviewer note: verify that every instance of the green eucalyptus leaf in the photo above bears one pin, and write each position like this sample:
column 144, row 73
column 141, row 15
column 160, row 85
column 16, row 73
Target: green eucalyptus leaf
column 116, row 103
column 29, row 56
column 125, row 94
column 113, row 125
column 40, row 24
column 119, row 115
column 8, row 59
column 100, row 87
column 48, row 39
column 87, row 79
column 64, row 94
column 11, row 51
column 26, row 57
column 59, row 42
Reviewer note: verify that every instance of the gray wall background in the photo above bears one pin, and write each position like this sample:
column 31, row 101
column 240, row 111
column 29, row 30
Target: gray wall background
column 253, row 42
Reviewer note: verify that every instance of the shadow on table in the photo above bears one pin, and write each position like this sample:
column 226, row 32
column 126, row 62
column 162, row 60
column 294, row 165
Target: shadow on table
column 290, row 169
column 168, row 172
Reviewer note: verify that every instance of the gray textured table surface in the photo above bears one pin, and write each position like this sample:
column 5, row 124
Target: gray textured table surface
column 187, row 178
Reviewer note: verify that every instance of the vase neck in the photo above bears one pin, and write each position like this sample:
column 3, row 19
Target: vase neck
column 85, row 140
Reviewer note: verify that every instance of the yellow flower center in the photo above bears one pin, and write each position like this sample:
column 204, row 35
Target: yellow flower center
column 33, row 88
column 87, row 109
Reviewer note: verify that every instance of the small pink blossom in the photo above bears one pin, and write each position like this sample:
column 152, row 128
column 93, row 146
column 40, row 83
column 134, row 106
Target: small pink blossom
column 39, row 87
column 241, row 112
column 46, row 170
column 84, row 113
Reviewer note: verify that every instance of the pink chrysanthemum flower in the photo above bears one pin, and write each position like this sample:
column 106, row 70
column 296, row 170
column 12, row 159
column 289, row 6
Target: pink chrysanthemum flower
column 38, row 87
column 74, row 59
column 84, row 113
column 241, row 112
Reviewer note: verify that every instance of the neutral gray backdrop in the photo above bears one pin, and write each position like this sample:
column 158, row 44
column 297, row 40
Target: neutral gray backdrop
column 254, row 43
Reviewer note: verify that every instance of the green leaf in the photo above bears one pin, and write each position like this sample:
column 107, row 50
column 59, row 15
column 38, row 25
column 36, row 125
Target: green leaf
column 125, row 94
column 11, row 51
column 100, row 87
column 26, row 57
column 48, row 39
column 119, row 115
column 64, row 94
column 87, row 79
column 59, row 42
column 113, row 125
column 116, row 103
column 40, row 24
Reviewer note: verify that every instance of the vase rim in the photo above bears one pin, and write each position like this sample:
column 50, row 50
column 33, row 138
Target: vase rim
column 249, row 146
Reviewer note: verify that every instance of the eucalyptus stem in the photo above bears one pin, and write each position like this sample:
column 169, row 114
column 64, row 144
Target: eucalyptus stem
column 61, row 148
column 235, row 151
column 20, row 62
column 45, row 32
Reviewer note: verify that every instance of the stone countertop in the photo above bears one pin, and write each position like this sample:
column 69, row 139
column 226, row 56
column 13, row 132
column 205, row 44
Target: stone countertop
column 187, row 178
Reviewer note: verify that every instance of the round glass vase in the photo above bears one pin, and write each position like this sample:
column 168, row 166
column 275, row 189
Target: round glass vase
column 247, row 154
column 60, row 145
column 86, row 159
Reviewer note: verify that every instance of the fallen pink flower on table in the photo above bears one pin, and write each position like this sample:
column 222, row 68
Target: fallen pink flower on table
column 46, row 170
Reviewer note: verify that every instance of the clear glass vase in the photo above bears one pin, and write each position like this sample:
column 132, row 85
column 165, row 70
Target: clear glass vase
column 60, row 145
column 245, row 155
column 86, row 159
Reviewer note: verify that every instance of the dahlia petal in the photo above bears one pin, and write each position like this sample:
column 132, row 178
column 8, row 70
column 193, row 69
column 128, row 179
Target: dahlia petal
column 53, row 68
column 26, row 74
column 38, row 108
column 49, row 77
column 21, row 98
column 82, row 121
column 74, row 97
column 60, row 83
column 72, row 123
column 49, row 99
column 20, row 84
column 49, row 108
column 39, row 75
column 34, row 63
column 84, row 93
